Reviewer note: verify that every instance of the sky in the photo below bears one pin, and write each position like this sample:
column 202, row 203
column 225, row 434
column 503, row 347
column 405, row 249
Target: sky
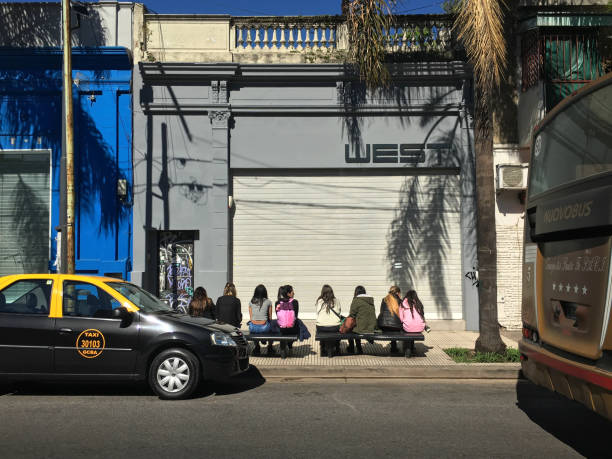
column 277, row 7
column 274, row 7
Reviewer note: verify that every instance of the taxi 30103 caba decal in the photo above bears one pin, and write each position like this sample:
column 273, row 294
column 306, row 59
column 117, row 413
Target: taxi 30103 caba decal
column 90, row 343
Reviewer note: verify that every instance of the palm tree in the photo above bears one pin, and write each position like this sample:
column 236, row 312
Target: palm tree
column 480, row 27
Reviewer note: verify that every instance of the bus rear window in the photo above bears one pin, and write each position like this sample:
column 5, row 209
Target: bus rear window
column 576, row 144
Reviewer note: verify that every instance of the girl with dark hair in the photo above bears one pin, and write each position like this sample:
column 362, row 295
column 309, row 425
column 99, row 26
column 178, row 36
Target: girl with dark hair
column 329, row 318
column 412, row 313
column 201, row 305
column 260, row 312
column 389, row 319
column 229, row 309
column 362, row 310
column 287, row 321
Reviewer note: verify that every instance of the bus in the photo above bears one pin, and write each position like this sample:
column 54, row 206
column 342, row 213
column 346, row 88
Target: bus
column 567, row 293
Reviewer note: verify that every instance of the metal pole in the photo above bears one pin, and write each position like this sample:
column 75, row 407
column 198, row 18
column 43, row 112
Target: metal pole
column 69, row 136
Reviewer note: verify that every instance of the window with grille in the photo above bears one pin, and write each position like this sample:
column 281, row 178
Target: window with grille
column 565, row 59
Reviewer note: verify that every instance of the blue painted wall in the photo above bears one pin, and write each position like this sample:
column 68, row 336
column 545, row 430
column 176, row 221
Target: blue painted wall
column 31, row 117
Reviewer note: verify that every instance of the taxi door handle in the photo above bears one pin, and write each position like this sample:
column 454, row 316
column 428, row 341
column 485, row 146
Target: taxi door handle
column 64, row 331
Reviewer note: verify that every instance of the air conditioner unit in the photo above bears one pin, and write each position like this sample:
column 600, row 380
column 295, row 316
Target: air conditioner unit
column 511, row 176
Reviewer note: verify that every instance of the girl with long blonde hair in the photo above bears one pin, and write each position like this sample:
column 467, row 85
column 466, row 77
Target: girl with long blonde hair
column 389, row 316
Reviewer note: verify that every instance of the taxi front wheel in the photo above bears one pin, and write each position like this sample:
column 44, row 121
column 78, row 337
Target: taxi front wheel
column 174, row 374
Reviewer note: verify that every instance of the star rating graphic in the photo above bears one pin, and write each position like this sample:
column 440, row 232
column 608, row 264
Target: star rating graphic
column 568, row 288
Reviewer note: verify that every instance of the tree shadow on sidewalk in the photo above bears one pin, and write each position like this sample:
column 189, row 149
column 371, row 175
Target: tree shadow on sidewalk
column 572, row 423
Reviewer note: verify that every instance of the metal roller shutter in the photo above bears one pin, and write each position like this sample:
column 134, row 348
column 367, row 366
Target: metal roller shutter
column 349, row 230
column 24, row 212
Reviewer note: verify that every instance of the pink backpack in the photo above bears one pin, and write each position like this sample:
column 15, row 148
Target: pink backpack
column 285, row 314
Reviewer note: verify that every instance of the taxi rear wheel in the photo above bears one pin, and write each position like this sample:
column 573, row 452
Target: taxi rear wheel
column 174, row 374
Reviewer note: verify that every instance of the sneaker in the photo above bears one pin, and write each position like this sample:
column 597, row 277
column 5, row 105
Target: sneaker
column 427, row 328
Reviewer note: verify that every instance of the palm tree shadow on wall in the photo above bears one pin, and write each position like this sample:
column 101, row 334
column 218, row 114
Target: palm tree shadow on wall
column 30, row 223
column 31, row 109
column 97, row 171
column 98, row 175
column 39, row 25
column 419, row 239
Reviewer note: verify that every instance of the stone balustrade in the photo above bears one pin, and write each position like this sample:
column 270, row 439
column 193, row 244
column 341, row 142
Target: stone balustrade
column 216, row 38
column 284, row 34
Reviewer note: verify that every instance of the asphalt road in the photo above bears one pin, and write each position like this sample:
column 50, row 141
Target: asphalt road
column 256, row 418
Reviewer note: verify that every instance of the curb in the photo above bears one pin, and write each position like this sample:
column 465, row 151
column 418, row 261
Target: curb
column 458, row 371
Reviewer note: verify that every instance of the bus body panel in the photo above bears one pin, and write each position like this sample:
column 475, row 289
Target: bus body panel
column 574, row 292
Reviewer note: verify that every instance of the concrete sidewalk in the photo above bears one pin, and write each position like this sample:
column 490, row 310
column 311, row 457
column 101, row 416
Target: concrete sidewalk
column 430, row 360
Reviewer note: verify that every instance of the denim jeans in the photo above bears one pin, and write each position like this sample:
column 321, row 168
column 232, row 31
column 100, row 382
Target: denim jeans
column 256, row 328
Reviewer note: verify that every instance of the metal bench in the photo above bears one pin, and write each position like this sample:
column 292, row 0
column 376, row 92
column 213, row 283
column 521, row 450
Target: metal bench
column 282, row 339
column 407, row 339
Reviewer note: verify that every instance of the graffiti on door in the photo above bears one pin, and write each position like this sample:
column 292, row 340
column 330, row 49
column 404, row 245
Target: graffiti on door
column 175, row 270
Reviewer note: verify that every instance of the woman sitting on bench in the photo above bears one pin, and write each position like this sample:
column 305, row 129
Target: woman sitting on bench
column 362, row 310
column 201, row 305
column 287, row 322
column 329, row 318
column 412, row 313
column 260, row 312
column 389, row 319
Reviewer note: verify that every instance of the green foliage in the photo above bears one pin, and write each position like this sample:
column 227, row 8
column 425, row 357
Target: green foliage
column 463, row 355
column 451, row 6
column 324, row 56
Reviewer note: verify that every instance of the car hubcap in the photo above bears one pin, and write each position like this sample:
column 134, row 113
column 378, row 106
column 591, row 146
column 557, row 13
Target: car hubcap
column 173, row 374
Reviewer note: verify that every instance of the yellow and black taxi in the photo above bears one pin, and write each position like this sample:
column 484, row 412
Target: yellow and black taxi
column 55, row 326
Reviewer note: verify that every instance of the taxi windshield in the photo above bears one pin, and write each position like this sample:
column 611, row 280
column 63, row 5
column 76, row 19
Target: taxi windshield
column 141, row 298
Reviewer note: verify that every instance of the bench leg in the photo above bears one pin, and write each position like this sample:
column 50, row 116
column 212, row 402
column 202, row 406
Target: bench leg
column 409, row 348
column 283, row 349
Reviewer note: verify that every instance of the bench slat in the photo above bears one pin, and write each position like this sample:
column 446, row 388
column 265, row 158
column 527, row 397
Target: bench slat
column 273, row 337
column 399, row 336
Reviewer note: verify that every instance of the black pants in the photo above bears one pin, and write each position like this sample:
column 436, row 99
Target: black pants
column 295, row 330
column 392, row 329
column 332, row 342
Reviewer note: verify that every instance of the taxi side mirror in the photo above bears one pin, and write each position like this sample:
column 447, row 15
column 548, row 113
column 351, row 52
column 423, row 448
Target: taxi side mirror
column 121, row 313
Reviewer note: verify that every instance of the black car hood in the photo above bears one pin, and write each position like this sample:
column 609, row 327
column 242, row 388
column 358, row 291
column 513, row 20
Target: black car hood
column 203, row 322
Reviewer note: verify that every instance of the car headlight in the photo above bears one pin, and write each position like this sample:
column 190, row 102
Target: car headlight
column 221, row 339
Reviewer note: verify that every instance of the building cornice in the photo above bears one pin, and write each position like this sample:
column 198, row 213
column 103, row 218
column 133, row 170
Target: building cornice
column 164, row 73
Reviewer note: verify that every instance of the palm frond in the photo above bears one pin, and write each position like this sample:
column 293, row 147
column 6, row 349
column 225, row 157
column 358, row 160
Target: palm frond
column 369, row 23
column 480, row 26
